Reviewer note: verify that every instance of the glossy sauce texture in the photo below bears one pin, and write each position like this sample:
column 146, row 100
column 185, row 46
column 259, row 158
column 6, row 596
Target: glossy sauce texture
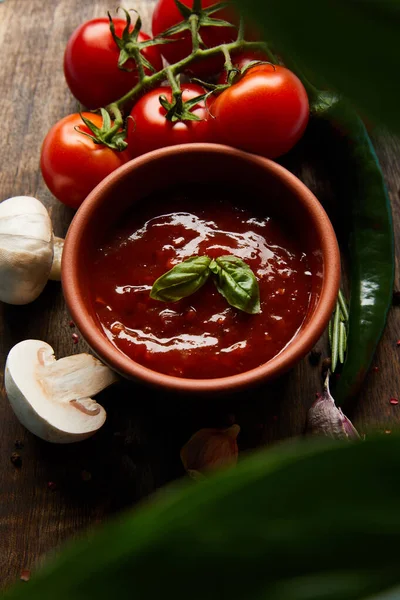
column 200, row 336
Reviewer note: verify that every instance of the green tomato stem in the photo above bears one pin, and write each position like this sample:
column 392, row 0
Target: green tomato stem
column 150, row 81
column 240, row 35
column 139, row 63
column 194, row 29
column 176, row 91
column 228, row 66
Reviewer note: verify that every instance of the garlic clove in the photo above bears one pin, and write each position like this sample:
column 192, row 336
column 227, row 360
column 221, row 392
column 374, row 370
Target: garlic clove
column 325, row 418
column 210, row 449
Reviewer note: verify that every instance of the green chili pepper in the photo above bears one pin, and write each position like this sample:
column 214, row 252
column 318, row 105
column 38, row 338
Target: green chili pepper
column 371, row 239
column 371, row 242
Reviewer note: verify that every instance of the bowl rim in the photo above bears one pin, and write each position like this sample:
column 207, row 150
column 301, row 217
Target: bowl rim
column 300, row 344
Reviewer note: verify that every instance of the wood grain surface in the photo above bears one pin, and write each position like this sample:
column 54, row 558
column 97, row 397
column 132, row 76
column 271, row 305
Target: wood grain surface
column 138, row 449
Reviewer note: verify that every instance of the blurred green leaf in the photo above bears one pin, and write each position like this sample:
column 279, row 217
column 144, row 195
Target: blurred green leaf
column 305, row 521
column 353, row 45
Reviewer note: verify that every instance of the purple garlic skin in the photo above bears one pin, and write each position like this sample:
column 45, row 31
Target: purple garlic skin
column 325, row 418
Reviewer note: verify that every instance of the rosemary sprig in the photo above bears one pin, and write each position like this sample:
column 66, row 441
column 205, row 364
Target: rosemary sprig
column 337, row 331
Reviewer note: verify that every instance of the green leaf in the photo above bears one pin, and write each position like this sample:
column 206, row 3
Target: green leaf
column 154, row 42
column 124, row 56
column 350, row 45
column 182, row 280
column 210, row 22
column 342, row 342
column 237, row 283
column 106, row 120
column 174, row 29
column 343, row 306
column 184, row 10
column 146, row 64
column 216, row 7
column 313, row 520
column 335, row 337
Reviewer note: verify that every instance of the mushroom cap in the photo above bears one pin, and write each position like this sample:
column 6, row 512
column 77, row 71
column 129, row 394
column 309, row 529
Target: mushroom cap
column 51, row 397
column 26, row 249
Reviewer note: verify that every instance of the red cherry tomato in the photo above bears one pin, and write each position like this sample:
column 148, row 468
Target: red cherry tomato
column 242, row 60
column 148, row 128
column 167, row 14
column 265, row 112
column 72, row 164
column 91, row 63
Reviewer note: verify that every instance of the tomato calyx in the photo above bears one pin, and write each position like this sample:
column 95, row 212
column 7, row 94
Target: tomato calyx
column 180, row 110
column 130, row 47
column 233, row 74
column 109, row 134
column 195, row 18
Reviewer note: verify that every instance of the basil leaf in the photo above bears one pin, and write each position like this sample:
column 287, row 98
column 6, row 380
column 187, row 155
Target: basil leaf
column 237, row 283
column 308, row 31
column 182, row 280
column 308, row 520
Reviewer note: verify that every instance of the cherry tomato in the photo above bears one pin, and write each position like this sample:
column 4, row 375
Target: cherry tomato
column 167, row 14
column 72, row 164
column 242, row 60
column 91, row 63
column 265, row 112
column 148, row 128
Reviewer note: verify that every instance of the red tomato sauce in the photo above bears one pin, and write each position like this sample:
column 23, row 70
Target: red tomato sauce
column 200, row 336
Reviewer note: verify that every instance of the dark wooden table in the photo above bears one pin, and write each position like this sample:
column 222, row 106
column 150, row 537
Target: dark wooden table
column 138, row 449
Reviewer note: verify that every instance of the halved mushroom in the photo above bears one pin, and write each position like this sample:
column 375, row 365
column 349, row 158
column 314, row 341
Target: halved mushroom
column 29, row 253
column 52, row 398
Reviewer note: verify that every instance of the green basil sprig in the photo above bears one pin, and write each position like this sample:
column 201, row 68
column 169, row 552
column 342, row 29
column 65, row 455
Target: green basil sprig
column 182, row 280
column 234, row 279
column 305, row 520
column 237, row 283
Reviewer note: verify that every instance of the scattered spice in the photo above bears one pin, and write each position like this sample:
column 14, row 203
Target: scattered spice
column 25, row 575
column 52, row 486
column 315, row 356
column 16, row 459
column 210, row 449
column 396, row 298
column 18, row 445
column 394, row 401
column 75, row 338
column 86, row 475
column 71, row 324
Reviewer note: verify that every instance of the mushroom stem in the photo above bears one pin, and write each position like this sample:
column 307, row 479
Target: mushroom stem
column 58, row 247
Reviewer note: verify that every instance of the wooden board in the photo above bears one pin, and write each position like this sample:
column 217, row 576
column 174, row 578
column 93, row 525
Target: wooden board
column 138, row 450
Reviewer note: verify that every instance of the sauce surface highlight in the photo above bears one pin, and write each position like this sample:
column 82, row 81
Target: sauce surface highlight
column 200, row 336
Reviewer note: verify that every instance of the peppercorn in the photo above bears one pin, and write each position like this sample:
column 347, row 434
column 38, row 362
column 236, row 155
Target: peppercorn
column 16, row 459
column 396, row 298
column 315, row 356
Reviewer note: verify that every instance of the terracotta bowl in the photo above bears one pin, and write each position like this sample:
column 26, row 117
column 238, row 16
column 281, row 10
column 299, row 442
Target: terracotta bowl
column 274, row 186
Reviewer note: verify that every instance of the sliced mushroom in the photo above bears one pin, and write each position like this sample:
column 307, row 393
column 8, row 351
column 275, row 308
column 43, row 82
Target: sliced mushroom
column 52, row 398
column 27, row 248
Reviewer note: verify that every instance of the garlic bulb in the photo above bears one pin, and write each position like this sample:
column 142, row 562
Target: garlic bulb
column 26, row 249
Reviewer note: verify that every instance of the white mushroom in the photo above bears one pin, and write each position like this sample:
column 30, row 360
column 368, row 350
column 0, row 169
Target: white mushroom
column 27, row 248
column 52, row 398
